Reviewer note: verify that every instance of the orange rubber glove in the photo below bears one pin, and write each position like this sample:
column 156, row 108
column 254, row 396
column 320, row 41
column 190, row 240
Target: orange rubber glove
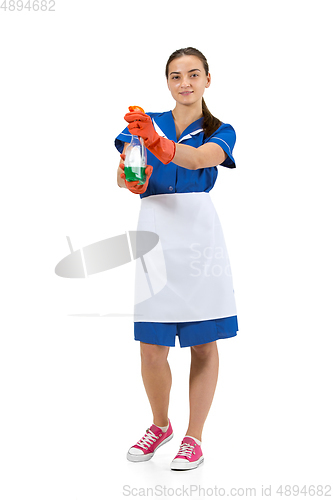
column 135, row 187
column 140, row 124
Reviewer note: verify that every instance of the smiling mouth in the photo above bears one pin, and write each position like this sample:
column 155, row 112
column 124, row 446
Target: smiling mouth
column 186, row 93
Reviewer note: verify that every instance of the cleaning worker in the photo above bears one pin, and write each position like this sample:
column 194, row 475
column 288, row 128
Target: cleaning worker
column 185, row 147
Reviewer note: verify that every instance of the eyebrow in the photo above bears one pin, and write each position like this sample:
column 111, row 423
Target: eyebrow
column 178, row 72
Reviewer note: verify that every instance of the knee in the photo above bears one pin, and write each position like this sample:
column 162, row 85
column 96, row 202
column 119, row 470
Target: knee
column 204, row 351
column 153, row 355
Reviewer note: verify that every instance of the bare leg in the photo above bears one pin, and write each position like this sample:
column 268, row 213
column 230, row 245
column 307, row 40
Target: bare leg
column 203, row 380
column 156, row 376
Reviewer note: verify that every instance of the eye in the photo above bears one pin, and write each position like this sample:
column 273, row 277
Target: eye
column 195, row 74
column 175, row 77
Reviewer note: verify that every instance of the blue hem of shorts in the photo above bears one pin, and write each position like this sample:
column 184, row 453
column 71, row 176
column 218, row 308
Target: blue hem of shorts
column 189, row 333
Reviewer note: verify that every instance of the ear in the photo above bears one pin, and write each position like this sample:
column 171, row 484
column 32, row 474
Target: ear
column 168, row 83
column 209, row 80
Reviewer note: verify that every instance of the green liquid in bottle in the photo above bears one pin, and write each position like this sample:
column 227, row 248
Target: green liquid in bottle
column 136, row 161
column 133, row 174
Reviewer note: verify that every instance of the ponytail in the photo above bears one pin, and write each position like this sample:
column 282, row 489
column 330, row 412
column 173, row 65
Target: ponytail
column 210, row 122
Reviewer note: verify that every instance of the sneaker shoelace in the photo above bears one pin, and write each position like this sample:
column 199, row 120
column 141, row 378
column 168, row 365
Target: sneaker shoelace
column 186, row 450
column 148, row 439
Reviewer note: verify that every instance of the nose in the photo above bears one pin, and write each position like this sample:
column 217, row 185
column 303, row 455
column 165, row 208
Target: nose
column 184, row 82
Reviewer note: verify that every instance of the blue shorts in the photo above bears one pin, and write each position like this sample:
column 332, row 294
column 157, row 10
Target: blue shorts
column 189, row 333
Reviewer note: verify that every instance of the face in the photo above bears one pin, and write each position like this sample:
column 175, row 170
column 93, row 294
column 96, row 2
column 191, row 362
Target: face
column 187, row 79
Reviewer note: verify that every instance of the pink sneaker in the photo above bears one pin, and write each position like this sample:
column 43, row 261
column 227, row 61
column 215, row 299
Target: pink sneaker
column 145, row 448
column 189, row 455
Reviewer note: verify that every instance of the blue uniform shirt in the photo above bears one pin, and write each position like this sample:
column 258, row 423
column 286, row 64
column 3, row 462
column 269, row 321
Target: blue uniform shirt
column 172, row 178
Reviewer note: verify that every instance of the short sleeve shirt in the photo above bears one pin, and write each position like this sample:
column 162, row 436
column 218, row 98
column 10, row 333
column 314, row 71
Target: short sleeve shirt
column 171, row 178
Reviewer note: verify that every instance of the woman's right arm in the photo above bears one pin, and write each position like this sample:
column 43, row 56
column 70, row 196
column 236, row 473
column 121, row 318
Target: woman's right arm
column 120, row 181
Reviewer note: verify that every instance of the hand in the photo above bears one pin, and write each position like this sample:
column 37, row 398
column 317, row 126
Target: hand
column 135, row 187
column 141, row 125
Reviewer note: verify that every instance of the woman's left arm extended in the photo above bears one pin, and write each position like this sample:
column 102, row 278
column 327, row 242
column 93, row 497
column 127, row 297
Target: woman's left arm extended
column 207, row 155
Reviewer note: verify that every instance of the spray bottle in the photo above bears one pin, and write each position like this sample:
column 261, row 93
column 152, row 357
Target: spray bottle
column 136, row 156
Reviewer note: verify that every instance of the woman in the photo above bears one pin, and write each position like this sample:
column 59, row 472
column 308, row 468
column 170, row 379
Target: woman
column 185, row 146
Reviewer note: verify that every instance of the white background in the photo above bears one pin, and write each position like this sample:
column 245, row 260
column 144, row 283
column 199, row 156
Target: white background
column 72, row 398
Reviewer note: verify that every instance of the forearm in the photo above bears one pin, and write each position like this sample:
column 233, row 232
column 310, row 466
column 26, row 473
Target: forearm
column 187, row 157
column 120, row 180
column 208, row 155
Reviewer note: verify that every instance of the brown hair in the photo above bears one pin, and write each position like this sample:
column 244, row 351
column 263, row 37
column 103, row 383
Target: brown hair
column 210, row 122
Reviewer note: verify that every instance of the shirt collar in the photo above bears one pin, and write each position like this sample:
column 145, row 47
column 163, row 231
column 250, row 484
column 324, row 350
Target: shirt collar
column 165, row 126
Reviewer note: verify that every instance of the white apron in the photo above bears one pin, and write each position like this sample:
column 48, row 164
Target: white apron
column 187, row 277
